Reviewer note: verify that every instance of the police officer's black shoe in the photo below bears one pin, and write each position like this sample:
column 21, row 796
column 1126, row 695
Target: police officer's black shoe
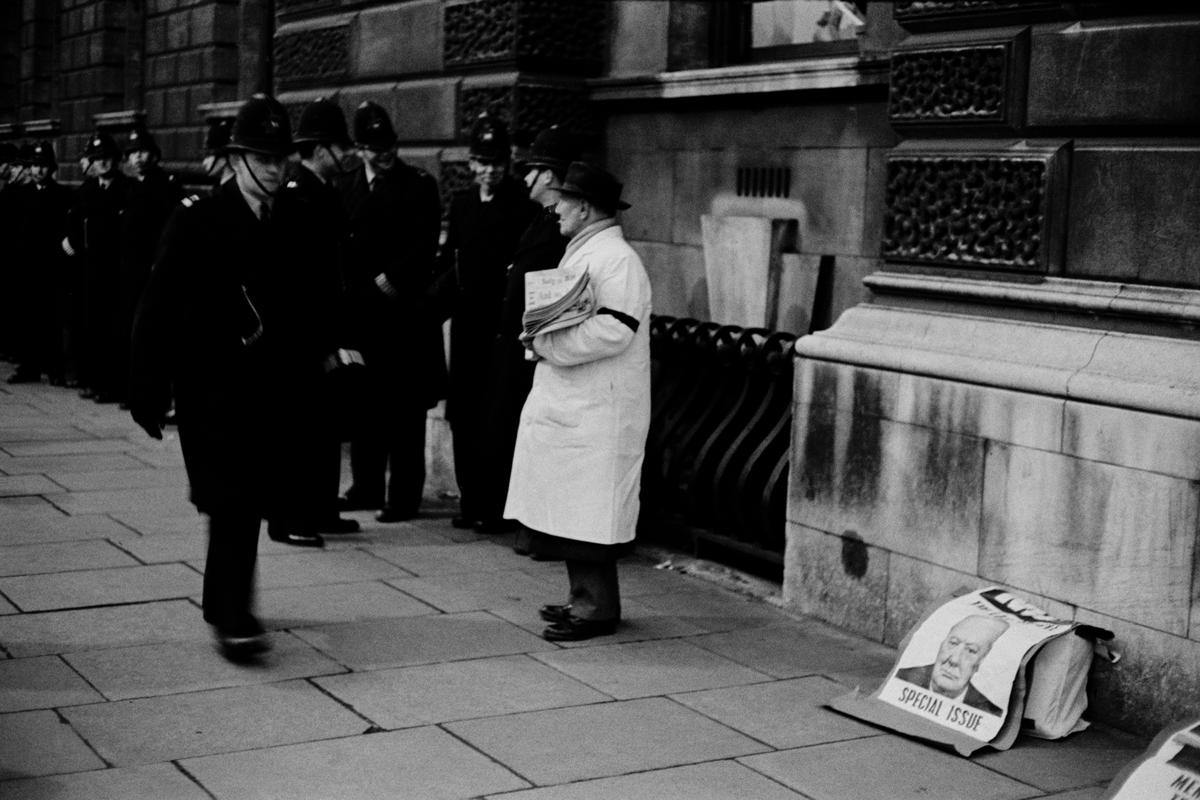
column 574, row 629
column 464, row 522
column 296, row 538
column 352, row 502
column 554, row 613
column 389, row 514
column 242, row 643
column 25, row 376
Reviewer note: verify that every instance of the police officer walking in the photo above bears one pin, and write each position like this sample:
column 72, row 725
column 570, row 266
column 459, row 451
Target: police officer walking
column 237, row 318
column 94, row 235
column 485, row 223
column 395, row 220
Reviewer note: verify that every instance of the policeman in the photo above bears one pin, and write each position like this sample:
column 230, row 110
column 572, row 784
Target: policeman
column 152, row 196
column 237, row 317
column 485, row 223
column 94, row 236
column 541, row 247
column 395, row 220
column 324, row 147
column 9, row 158
column 42, row 215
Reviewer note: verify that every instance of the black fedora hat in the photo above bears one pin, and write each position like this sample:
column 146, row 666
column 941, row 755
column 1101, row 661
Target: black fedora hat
column 594, row 185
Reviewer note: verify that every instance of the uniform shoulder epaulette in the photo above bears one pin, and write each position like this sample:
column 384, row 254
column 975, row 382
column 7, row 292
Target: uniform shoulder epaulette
column 292, row 184
column 190, row 200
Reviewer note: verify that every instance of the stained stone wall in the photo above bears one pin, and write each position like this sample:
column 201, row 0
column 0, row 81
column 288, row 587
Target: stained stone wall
column 1017, row 402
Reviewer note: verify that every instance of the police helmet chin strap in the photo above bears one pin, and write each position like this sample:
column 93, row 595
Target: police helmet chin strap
column 341, row 168
column 254, row 177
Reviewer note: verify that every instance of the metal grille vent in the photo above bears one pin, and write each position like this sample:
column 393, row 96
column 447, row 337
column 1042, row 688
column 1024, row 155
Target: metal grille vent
column 764, row 182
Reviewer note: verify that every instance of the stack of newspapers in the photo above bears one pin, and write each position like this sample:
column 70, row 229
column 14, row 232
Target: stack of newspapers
column 556, row 299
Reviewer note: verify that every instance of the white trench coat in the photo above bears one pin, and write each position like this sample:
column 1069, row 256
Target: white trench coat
column 578, row 461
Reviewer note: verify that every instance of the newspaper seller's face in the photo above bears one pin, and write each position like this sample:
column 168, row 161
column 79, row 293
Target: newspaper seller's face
column 961, row 652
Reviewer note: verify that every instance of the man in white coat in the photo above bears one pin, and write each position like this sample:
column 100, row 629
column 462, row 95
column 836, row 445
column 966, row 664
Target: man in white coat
column 578, row 461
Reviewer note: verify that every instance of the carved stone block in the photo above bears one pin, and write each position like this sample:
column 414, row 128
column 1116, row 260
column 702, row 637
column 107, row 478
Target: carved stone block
column 529, row 108
column 998, row 210
column 931, row 14
column 570, row 37
column 980, row 83
column 312, row 56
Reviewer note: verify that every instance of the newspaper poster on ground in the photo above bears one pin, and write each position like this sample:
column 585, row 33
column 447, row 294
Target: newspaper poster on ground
column 1168, row 770
column 960, row 676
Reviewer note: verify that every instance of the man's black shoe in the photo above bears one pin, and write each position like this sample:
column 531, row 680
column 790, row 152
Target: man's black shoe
column 494, row 527
column 339, row 525
column 463, row 523
column 394, row 515
column 574, row 629
column 352, row 503
column 297, row 538
column 241, row 643
column 553, row 613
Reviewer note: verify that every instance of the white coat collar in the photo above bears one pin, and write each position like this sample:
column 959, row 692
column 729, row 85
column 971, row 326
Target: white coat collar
column 585, row 235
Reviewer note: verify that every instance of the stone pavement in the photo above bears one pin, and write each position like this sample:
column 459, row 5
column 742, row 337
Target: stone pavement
column 407, row 663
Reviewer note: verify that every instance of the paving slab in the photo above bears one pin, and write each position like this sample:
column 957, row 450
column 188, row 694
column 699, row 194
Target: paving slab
column 715, row 780
column 480, row 591
column 712, row 609
column 97, row 480
column 642, row 669
column 434, row 693
column 42, row 682
column 168, row 501
column 158, row 669
column 793, row 649
column 885, row 768
column 59, row 749
column 99, row 587
column 72, row 447
column 1093, row 793
column 157, row 782
column 100, row 628
column 376, row 644
column 450, row 558
column 424, row 763
column 99, row 462
column 305, row 606
column 641, row 576
column 15, row 485
column 1084, row 759
column 784, row 714
column 33, row 559
column 582, row 742
column 14, row 434
column 7, row 607
column 48, row 524
column 292, row 568
column 166, row 548
column 638, row 622
column 186, row 520
column 157, row 729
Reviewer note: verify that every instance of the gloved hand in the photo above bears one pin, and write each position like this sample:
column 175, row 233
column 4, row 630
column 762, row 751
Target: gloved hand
column 149, row 421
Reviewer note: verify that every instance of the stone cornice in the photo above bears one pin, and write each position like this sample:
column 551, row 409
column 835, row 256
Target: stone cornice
column 833, row 72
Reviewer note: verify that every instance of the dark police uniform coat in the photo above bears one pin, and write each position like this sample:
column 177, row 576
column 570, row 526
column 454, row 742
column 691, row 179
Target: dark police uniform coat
column 149, row 203
column 95, row 235
column 394, row 229
column 40, row 301
column 236, row 315
column 511, row 374
column 480, row 242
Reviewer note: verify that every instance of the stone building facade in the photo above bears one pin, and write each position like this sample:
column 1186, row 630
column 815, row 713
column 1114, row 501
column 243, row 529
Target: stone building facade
column 984, row 213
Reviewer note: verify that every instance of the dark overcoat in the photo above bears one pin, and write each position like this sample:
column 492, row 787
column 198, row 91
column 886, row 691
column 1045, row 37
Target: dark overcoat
column 481, row 239
column 393, row 231
column 148, row 204
column 237, row 316
column 41, row 274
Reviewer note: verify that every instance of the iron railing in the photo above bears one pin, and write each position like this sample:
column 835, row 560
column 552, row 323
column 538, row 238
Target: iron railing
column 715, row 474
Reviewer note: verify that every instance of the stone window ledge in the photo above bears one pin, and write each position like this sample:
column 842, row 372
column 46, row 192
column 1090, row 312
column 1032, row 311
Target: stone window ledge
column 833, row 72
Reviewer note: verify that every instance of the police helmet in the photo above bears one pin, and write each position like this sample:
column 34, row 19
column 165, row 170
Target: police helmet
column 101, row 145
column 489, row 139
column 24, row 154
column 323, row 122
column 142, row 140
column 553, row 148
column 372, row 128
column 217, row 137
column 261, row 126
column 42, row 155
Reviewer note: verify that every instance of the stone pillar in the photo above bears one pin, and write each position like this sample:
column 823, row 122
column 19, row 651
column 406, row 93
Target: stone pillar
column 1018, row 404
